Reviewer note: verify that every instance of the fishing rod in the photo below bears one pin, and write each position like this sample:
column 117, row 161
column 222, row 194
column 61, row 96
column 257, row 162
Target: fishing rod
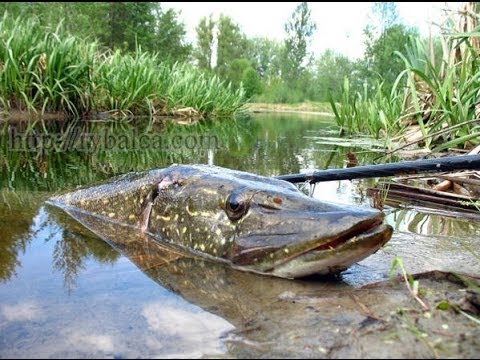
column 449, row 163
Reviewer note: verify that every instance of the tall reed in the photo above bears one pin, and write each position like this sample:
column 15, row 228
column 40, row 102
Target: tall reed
column 365, row 113
column 43, row 71
column 49, row 70
column 433, row 95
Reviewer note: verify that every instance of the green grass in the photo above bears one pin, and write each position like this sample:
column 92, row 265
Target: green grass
column 49, row 71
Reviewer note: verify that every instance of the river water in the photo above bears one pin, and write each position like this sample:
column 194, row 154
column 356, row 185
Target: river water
column 65, row 293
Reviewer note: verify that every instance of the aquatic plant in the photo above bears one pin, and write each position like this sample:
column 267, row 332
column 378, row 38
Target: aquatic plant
column 45, row 70
column 432, row 100
column 364, row 113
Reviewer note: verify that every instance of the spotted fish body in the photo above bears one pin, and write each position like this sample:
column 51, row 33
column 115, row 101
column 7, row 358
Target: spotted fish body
column 251, row 222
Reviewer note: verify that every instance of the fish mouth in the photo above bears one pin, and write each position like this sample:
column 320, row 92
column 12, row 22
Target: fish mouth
column 326, row 256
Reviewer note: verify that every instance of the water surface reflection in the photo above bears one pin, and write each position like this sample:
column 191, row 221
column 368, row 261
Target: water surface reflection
column 64, row 292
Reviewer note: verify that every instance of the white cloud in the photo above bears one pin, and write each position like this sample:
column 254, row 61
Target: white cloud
column 26, row 311
column 94, row 342
column 191, row 333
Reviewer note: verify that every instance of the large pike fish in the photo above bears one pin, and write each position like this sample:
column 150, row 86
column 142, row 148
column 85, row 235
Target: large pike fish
column 251, row 222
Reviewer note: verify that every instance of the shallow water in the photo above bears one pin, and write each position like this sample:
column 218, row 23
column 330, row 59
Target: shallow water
column 66, row 293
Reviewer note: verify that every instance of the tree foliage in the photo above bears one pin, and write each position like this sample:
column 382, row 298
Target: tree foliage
column 231, row 45
column 251, row 82
column 116, row 25
column 170, row 37
column 381, row 61
column 299, row 29
column 129, row 24
column 387, row 13
column 221, row 47
column 204, row 50
column 329, row 73
column 236, row 69
column 266, row 57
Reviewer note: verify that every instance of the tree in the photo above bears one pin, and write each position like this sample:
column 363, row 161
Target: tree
column 387, row 13
column 204, row 51
column 330, row 72
column 116, row 24
column 235, row 71
column 83, row 19
column 170, row 37
column 382, row 62
column 299, row 29
column 130, row 24
column 266, row 57
column 383, row 16
column 383, row 36
column 86, row 19
column 231, row 45
column 251, row 82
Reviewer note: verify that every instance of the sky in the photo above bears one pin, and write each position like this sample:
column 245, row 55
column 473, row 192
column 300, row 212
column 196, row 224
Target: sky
column 339, row 25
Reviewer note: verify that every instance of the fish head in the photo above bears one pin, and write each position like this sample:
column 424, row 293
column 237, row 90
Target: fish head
column 262, row 224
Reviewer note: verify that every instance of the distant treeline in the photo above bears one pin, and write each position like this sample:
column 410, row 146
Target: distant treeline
column 270, row 71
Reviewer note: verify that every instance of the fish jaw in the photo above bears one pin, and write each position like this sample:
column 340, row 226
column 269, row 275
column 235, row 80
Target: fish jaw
column 326, row 238
column 335, row 259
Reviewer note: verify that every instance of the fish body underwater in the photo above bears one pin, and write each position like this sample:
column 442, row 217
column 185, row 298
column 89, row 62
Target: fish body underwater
column 250, row 222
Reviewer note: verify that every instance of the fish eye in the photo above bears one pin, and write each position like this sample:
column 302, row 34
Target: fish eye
column 235, row 207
